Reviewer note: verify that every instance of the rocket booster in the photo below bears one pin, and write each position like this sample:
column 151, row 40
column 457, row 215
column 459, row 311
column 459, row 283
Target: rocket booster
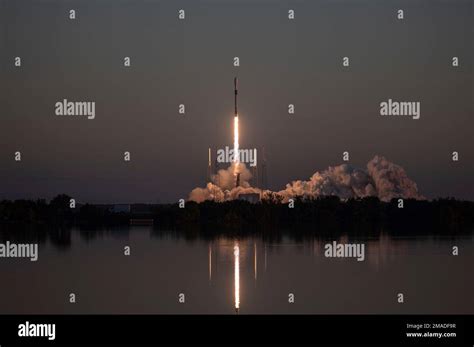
column 235, row 96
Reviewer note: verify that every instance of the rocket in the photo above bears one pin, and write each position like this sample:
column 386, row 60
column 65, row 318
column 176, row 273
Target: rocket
column 235, row 96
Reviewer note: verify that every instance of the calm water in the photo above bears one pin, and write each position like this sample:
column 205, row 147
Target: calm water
column 220, row 275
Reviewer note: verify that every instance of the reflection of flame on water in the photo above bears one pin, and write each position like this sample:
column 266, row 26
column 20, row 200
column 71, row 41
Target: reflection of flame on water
column 255, row 260
column 237, row 276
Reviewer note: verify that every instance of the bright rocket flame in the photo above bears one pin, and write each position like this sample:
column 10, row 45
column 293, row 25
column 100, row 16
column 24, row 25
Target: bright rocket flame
column 236, row 143
column 237, row 276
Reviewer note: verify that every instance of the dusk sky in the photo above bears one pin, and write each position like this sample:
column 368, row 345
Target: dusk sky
column 191, row 62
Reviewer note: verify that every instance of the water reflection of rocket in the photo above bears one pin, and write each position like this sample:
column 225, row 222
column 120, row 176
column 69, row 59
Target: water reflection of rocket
column 237, row 276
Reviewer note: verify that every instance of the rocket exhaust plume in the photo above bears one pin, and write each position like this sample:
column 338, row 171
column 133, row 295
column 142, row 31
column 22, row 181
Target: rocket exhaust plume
column 236, row 136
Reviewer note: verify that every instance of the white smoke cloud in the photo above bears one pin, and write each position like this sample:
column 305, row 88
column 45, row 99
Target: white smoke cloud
column 382, row 179
column 222, row 187
column 391, row 180
column 342, row 181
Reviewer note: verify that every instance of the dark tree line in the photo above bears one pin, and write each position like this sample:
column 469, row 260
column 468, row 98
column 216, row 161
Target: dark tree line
column 57, row 212
column 326, row 215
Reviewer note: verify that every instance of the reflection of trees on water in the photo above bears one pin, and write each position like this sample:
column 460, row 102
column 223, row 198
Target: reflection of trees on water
column 26, row 221
column 61, row 238
column 23, row 234
column 58, row 237
column 91, row 234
